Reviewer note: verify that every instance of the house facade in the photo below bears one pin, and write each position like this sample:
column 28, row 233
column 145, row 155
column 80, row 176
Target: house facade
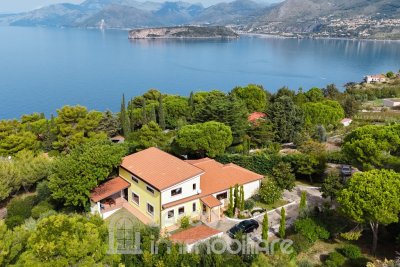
column 160, row 189
column 379, row 78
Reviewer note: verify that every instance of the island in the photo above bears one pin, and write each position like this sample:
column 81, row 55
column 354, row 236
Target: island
column 204, row 32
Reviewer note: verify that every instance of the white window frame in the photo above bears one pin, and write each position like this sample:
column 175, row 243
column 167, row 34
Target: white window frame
column 147, row 209
column 138, row 203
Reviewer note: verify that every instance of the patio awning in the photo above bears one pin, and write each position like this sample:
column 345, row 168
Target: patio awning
column 109, row 188
column 211, row 201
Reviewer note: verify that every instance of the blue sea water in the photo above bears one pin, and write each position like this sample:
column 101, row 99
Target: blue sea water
column 42, row 69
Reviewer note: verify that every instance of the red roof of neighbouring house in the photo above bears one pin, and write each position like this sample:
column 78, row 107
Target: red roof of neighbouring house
column 211, row 201
column 195, row 234
column 108, row 188
column 158, row 168
column 256, row 116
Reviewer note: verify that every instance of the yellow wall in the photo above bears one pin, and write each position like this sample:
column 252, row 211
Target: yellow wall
column 145, row 196
column 188, row 212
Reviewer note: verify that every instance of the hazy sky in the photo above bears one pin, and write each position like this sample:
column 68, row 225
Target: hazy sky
column 10, row 6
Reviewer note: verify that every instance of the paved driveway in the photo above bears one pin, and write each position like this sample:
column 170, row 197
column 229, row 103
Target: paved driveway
column 314, row 198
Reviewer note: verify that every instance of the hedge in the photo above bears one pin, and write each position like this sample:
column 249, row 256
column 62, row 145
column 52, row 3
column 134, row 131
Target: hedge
column 259, row 163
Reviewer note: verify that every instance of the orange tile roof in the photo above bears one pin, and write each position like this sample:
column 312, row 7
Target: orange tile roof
column 211, row 201
column 255, row 116
column 158, row 168
column 108, row 188
column 194, row 234
column 218, row 177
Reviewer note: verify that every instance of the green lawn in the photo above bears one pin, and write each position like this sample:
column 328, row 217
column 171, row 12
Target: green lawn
column 275, row 205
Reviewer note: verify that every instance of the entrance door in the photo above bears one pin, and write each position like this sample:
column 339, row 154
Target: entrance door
column 125, row 195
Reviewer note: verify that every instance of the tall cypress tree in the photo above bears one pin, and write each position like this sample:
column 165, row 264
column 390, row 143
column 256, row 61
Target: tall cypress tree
column 241, row 198
column 124, row 118
column 282, row 226
column 191, row 105
column 265, row 226
column 230, row 207
column 144, row 112
column 161, row 115
column 303, row 204
column 237, row 199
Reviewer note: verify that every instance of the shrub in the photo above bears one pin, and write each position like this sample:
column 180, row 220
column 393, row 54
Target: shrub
column 21, row 207
column 270, row 191
column 13, row 221
column 260, row 210
column 350, row 251
column 310, row 229
column 185, row 222
column 335, row 259
column 43, row 191
column 304, row 263
column 300, row 243
column 41, row 208
column 249, row 204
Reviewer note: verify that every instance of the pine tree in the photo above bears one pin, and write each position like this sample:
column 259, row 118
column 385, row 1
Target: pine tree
column 124, row 118
column 303, row 203
column 161, row 115
column 265, row 226
column 282, row 226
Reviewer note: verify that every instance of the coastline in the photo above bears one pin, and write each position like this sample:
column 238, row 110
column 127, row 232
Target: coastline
column 277, row 36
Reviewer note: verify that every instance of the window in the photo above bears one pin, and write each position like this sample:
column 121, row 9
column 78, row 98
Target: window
column 194, row 206
column 171, row 214
column 135, row 198
column 176, row 191
column 222, row 196
column 181, row 210
column 135, row 179
column 150, row 209
column 194, row 186
column 151, row 190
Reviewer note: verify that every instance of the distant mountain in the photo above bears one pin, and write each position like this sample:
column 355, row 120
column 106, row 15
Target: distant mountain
column 311, row 15
column 294, row 18
column 226, row 13
column 133, row 14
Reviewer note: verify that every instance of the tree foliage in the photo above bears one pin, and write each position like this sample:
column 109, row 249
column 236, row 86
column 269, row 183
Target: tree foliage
column 150, row 135
column 286, row 118
column 75, row 126
column 373, row 146
column 209, row 138
column 253, row 96
column 283, row 175
column 324, row 113
column 216, row 106
column 269, row 191
column 372, row 197
column 67, row 240
column 75, row 175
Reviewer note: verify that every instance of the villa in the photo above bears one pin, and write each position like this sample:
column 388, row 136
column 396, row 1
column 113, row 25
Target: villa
column 158, row 188
column 378, row 78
